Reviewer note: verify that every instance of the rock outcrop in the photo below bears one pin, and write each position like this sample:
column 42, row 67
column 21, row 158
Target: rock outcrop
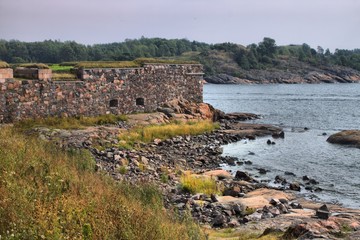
column 346, row 137
column 289, row 73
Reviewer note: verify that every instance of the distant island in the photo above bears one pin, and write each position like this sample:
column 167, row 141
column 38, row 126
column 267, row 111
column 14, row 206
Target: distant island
column 224, row 63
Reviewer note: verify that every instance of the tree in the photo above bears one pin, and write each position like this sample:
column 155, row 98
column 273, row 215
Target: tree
column 267, row 47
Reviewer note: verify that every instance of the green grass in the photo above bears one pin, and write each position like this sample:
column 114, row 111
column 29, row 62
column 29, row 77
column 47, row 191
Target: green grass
column 147, row 134
column 59, row 68
column 199, row 184
column 4, row 64
column 49, row 193
column 70, row 122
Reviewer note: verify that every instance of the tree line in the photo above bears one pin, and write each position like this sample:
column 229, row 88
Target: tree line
column 53, row 51
column 263, row 55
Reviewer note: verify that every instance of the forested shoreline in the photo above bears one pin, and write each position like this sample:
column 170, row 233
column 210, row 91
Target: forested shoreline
column 264, row 55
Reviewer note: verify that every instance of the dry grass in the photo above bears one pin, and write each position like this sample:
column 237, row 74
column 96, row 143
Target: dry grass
column 70, row 122
column 46, row 193
column 234, row 234
column 63, row 76
column 147, row 134
column 35, row 65
column 4, row 64
column 199, row 184
column 130, row 64
column 142, row 61
column 122, row 64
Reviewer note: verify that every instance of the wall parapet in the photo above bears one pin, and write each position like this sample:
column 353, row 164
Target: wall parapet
column 33, row 73
column 101, row 91
column 6, row 73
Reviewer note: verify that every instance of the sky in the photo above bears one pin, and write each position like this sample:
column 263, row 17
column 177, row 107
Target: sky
column 328, row 23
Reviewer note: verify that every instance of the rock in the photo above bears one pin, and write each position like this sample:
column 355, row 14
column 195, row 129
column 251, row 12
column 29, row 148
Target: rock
column 248, row 162
column 290, row 174
column 268, row 142
column 233, row 223
column 219, row 174
column 279, row 179
column 305, row 178
column 251, row 153
column 168, row 111
column 270, row 230
column 157, row 141
column 274, row 201
column 243, row 176
column 278, row 135
column 144, row 160
column 262, row 171
column 110, row 155
column 347, row 137
column 238, row 209
column 295, row 186
column 219, row 221
column 214, row 198
column 295, row 205
column 323, row 212
column 233, row 191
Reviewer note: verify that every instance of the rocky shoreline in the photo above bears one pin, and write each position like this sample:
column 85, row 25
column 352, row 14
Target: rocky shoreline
column 289, row 73
column 244, row 202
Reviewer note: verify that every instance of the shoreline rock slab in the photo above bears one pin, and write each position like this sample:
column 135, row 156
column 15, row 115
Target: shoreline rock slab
column 346, row 137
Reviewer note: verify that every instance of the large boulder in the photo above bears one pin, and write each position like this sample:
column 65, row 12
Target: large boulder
column 346, row 137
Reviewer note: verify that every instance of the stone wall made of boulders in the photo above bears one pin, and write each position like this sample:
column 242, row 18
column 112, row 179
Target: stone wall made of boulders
column 102, row 91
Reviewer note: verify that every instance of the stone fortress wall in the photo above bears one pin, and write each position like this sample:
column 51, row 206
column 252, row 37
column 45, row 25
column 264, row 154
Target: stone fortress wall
column 100, row 91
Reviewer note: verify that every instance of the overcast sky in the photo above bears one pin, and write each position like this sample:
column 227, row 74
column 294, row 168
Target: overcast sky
column 328, row 23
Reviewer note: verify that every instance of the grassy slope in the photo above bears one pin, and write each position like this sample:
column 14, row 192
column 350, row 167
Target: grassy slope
column 48, row 193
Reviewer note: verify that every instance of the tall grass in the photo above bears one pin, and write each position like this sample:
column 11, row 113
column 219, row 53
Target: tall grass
column 4, row 64
column 147, row 134
column 70, row 122
column 199, row 184
column 46, row 193
column 34, row 65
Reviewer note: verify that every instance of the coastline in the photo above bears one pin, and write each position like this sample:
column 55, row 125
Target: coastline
column 245, row 204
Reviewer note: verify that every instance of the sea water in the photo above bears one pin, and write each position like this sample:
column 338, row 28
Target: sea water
column 308, row 113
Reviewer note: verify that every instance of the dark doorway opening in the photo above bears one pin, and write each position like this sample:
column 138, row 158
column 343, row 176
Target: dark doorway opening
column 114, row 103
column 140, row 102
